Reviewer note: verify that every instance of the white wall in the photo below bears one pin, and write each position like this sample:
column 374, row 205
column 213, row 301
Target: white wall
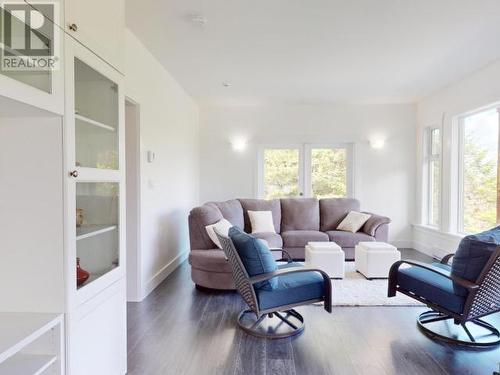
column 384, row 179
column 169, row 126
column 477, row 90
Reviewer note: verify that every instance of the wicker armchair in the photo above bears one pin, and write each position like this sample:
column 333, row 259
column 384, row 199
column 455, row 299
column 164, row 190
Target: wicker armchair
column 279, row 321
column 482, row 298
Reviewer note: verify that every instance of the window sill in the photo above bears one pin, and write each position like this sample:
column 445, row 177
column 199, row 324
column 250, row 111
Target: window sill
column 433, row 229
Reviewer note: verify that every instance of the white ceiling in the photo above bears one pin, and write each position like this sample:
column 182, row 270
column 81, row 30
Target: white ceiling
column 308, row 51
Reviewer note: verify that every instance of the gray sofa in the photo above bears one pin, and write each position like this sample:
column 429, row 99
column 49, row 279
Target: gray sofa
column 296, row 222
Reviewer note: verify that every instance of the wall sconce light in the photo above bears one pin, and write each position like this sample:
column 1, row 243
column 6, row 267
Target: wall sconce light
column 377, row 143
column 239, row 144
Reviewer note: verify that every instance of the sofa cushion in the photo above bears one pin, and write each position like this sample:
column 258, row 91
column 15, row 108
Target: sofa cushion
column 209, row 260
column 348, row 239
column 473, row 254
column 273, row 240
column 299, row 214
column 300, row 238
column 292, row 288
column 353, row 222
column 261, row 221
column 232, row 211
column 432, row 286
column 272, row 205
column 255, row 256
column 199, row 218
column 222, row 226
column 334, row 210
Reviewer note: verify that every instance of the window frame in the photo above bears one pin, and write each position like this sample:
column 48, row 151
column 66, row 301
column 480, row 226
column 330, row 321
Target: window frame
column 305, row 168
column 460, row 162
column 430, row 158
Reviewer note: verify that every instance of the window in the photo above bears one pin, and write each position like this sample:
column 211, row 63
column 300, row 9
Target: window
column 434, row 176
column 329, row 172
column 281, row 172
column 479, row 206
column 305, row 170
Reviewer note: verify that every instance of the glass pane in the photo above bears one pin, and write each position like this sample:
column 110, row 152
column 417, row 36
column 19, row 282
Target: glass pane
column 329, row 172
column 96, row 117
column 435, row 192
column 480, row 161
column 97, row 241
column 435, row 142
column 281, row 173
column 25, row 53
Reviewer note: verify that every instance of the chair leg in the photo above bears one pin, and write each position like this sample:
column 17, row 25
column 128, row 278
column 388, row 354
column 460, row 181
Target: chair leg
column 489, row 337
column 271, row 326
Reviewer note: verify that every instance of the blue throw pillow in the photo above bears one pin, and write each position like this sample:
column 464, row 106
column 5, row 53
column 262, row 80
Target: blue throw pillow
column 255, row 256
column 472, row 255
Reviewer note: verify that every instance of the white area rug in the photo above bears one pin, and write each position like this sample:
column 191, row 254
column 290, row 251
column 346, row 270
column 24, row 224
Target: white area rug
column 355, row 290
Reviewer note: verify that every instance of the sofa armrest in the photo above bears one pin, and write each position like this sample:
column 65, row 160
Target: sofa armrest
column 374, row 223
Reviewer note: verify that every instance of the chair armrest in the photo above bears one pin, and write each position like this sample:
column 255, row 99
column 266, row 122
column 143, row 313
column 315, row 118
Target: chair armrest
column 446, row 258
column 327, row 283
column 287, row 254
column 458, row 280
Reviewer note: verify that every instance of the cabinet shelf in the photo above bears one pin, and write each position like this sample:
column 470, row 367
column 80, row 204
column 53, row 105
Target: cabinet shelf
column 32, row 364
column 87, row 231
column 89, row 121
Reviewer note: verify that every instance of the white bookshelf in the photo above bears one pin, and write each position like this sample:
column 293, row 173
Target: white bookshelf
column 31, row 343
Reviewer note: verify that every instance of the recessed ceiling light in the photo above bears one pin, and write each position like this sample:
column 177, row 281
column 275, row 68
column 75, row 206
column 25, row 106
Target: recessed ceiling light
column 226, row 84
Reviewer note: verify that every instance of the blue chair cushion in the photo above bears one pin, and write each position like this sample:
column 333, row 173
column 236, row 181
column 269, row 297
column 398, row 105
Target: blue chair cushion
column 432, row 286
column 473, row 254
column 255, row 256
column 291, row 289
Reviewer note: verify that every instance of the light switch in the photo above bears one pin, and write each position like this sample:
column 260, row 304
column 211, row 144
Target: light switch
column 151, row 156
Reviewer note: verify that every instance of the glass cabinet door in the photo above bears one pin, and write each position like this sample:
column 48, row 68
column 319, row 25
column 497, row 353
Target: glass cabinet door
column 96, row 119
column 97, row 183
column 97, row 221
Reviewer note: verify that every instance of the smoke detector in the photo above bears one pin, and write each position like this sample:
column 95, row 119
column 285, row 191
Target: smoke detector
column 198, row 20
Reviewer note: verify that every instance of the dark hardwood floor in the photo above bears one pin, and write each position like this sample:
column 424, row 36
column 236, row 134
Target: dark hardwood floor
column 180, row 330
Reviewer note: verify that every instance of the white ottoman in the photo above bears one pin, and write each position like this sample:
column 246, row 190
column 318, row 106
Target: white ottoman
column 327, row 256
column 374, row 259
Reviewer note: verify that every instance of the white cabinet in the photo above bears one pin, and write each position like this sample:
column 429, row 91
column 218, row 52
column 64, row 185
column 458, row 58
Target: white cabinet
column 99, row 25
column 95, row 214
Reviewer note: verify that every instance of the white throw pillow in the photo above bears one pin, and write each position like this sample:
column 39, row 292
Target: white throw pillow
column 261, row 221
column 353, row 221
column 222, row 226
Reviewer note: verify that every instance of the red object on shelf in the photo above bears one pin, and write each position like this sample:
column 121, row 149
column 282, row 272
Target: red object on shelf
column 81, row 274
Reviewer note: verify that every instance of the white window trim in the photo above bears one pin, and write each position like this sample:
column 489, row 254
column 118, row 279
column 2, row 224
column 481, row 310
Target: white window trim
column 305, row 165
column 430, row 157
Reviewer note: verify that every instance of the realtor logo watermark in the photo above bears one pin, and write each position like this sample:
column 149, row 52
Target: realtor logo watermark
column 29, row 36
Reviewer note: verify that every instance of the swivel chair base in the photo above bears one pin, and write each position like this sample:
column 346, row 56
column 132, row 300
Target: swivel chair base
column 275, row 325
column 458, row 333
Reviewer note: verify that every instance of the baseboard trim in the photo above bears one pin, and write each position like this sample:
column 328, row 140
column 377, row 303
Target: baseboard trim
column 162, row 274
column 402, row 244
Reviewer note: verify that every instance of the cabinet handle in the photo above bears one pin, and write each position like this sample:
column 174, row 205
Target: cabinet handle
column 73, row 27
column 73, row 174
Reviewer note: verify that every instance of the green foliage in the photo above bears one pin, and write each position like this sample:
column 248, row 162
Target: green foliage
column 480, row 187
column 329, row 172
column 281, row 173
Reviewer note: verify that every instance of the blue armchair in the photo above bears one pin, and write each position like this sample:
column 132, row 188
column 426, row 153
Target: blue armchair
column 271, row 291
column 464, row 292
